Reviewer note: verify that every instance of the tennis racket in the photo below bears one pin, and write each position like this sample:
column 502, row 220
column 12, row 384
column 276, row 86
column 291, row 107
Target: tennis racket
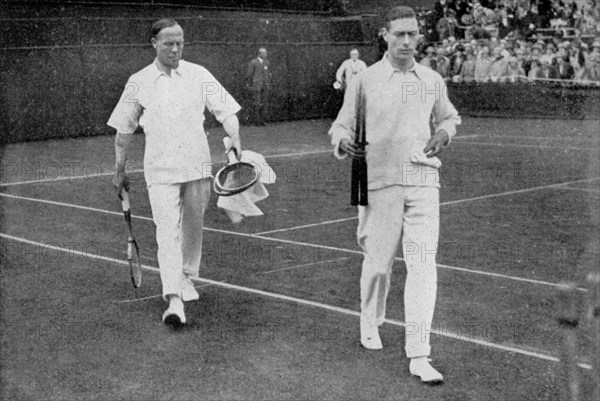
column 235, row 177
column 133, row 250
column 358, row 187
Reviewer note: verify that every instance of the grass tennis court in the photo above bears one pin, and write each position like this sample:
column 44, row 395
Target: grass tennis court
column 279, row 294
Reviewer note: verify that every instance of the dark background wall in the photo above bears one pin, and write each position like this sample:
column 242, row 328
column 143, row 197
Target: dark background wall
column 62, row 68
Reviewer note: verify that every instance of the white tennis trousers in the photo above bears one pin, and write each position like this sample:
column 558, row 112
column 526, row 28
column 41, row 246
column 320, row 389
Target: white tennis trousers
column 410, row 215
column 178, row 212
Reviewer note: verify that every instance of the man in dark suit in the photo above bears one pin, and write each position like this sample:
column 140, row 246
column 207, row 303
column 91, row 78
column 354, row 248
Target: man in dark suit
column 258, row 80
column 564, row 69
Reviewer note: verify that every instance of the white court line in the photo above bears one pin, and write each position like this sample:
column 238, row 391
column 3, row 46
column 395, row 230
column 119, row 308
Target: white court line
column 88, row 176
column 520, row 191
column 593, row 191
column 518, row 145
column 573, row 138
column 539, row 354
column 297, row 243
column 559, row 185
column 66, row 178
column 304, row 265
column 308, row 225
column 126, row 301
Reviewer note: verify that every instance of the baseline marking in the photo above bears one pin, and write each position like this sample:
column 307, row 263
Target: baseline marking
column 540, row 354
column 298, row 243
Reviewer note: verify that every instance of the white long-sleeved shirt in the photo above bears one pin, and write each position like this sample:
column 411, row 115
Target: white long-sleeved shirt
column 349, row 69
column 170, row 109
column 398, row 110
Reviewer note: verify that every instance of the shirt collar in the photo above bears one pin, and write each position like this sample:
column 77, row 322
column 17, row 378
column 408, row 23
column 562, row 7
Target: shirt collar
column 157, row 72
column 389, row 70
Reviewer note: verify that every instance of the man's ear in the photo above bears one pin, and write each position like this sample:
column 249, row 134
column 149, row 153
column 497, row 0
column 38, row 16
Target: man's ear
column 153, row 41
column 420, row 38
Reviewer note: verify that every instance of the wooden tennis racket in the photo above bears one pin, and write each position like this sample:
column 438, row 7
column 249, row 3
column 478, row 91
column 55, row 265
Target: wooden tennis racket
column 358, row 187
column 133, row 249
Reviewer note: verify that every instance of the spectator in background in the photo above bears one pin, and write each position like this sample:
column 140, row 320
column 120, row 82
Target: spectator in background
column 498, row 65
column 577, row 58
column 429, row 59
column 592, row 62
column 549, row 56
column 447, row 26
column 534, row 70
column 547, row 71
column 456, row 61
column 258, row 81
column 564, row 70
column 442, row 63
column 467, row 70
column 350, row 68
column 521, row 60
column 514, row 73
column 482, row 65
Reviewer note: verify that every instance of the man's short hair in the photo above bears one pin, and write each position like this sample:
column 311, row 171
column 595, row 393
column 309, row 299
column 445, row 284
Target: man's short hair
column 400, row 12
column 160, row 25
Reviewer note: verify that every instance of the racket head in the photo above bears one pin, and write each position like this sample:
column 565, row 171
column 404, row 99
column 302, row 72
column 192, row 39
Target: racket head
column 235, row 178
column 135, row 265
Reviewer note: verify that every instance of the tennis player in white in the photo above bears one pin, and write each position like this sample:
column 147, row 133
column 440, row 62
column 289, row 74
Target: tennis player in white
column 403, row 181
column 167, row 99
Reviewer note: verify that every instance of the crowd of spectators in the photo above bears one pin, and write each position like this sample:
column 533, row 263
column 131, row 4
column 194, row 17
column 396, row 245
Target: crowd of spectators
column 512, row 40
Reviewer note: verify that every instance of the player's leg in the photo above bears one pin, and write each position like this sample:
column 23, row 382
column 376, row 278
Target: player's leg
column 195, row 196
column 165, row 202
column 419, row 242
column 379, row 232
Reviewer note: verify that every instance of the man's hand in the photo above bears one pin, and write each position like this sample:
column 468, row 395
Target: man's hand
column 120, row 181
column 437, row 143
column 231, row 125
column 352, row 149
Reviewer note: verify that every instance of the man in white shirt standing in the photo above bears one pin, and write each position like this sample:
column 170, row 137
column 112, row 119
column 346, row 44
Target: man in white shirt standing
column 401, row 96
column 167, row 99
column 349, row 69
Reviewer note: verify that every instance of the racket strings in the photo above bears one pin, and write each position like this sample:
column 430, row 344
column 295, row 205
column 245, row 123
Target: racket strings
column 238, row 176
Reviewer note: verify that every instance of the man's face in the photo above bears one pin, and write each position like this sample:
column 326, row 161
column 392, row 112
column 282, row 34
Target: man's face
column 354, row 55
column 402, row 37
column 262, row 53
column 169, row 46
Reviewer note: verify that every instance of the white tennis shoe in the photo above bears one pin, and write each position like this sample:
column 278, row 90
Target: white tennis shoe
column 369, row 338
column 188, row 291
column 421, row 368
column 174, row 315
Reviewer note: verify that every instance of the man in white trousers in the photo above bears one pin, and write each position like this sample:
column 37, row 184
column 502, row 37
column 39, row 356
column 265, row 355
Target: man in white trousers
column 167, row 99
column 401, row 96
column 349, row 69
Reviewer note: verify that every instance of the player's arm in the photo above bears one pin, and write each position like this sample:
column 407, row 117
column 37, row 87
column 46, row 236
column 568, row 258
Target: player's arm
column 339, row 74
column 231, row 125
column 445, row 120
column 120, row 179
column 342, row 130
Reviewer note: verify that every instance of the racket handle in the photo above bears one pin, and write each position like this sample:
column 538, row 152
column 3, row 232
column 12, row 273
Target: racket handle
column 364, row 188
column 355, row 183
column 125, row 201
column 230, row 150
